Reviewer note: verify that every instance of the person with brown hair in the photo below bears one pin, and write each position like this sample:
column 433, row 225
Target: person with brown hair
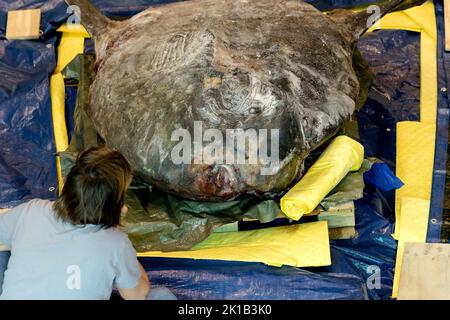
column 72, row 248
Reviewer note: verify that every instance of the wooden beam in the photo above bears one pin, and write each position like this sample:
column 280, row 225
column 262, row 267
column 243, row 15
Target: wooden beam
column 341, row 233
column 425, row 273
column 340, row 216
column 447, row 24
column 23, row 24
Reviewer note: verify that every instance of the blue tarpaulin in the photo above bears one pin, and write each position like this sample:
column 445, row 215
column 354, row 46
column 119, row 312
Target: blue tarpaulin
column 28, row 169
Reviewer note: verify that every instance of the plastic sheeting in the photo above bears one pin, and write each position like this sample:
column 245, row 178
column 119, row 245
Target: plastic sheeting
column 439, row 217
column 382, row 177
column 27, row 162
column 209, row 280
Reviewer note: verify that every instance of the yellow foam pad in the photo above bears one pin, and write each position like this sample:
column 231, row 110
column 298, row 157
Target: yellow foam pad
column 414, row 222
column 72, row 44
column 57, row 94
column 302, row 245
column 57, row 91
column 415, row 160
column 341, row 156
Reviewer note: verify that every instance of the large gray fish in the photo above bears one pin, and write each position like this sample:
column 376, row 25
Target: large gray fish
column 181, row 87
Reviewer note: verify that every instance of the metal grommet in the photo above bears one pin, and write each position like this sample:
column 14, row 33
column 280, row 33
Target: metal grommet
column 51, row 189
column 443, row 89
column 433, row 221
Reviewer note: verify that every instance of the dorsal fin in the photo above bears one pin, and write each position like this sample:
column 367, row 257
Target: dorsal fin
column 91, row 18
column 357, row 23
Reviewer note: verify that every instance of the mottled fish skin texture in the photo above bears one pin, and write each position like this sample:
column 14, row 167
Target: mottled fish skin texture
column 266, row 64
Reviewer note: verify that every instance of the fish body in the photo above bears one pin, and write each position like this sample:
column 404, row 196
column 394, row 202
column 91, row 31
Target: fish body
column 211, row 99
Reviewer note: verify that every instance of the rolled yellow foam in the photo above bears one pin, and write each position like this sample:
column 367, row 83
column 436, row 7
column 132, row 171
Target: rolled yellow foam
column 341, row 156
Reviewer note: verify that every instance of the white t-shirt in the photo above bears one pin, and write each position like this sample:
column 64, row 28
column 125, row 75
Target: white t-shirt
column 51, row 259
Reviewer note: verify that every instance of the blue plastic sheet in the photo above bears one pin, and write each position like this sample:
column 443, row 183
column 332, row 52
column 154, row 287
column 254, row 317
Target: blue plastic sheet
column 382, row 177
column 27, row 161
column 206, row 279
column 394, row 59
column 439, row 219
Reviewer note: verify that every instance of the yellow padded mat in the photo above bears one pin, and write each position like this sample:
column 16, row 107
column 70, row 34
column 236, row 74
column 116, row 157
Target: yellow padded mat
column 414, row 217
column 301, row 245
column 415, row 160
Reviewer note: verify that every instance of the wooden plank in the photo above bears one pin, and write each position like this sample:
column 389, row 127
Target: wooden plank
column 425, row 273
column 339, row 216
column 341, row 233
column 447, row 24
column 23, row 24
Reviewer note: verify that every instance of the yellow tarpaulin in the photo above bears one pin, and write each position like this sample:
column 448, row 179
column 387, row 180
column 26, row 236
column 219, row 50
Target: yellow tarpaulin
column 302, row 245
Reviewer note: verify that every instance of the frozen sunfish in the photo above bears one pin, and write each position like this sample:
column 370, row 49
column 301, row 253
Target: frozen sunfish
column 211, row 99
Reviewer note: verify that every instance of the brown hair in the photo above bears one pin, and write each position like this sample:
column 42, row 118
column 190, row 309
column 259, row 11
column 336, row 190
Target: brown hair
column 95, row 188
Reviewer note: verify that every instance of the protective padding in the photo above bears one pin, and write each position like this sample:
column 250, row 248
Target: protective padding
column 302, row 245
column 415, row 159
column 341, row 156
column 72, row 44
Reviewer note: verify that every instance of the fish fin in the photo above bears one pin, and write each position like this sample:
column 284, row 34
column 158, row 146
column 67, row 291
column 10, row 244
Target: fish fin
column 356, row 23
column 365, row 77
column 91, row 18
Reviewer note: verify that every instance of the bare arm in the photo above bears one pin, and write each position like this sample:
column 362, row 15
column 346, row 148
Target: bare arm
column 2, row 246
column 139, row 292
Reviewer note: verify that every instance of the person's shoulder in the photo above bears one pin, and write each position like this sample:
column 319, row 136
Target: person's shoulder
column 34, row 205
column 115, row 234
column 41, row 203
column 118, row 241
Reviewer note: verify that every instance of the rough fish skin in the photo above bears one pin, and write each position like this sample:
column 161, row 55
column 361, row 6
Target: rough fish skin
column 240, row 64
